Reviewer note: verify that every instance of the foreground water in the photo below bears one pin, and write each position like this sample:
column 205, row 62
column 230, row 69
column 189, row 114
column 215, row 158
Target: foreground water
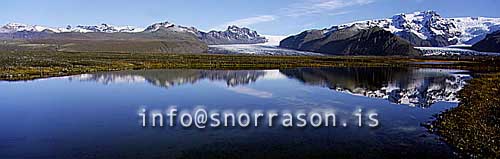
column 95, row 115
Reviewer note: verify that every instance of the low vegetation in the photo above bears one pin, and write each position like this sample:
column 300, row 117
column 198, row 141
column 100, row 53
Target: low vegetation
column 474, row 126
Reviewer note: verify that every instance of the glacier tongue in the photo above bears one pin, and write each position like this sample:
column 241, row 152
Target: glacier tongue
column 273, row 40
column 268, row 48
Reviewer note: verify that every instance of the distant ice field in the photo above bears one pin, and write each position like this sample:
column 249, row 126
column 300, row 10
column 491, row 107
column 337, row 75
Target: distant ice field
column 268, row 48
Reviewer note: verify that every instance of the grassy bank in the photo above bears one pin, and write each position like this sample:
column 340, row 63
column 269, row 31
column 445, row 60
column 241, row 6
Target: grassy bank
column 474, row 126
column 32, row 65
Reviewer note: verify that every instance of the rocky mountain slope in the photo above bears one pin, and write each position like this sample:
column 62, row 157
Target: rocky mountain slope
column 428, row 28
column 352, row 40
column 491, row 43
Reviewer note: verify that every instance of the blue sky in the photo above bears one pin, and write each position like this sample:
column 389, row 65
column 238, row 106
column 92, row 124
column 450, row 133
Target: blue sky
column 272, row 17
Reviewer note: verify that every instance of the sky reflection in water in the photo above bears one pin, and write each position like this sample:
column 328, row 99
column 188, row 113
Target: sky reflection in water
column 95, row 114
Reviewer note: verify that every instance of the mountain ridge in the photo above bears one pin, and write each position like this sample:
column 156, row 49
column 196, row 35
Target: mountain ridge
column 351, row 41
column 400, row 34
column 233, row 34
column 428, row 28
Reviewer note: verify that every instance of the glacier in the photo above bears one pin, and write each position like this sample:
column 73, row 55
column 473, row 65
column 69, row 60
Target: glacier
column 268, row 48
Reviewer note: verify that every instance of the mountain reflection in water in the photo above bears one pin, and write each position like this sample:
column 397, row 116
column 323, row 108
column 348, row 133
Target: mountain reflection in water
column 411, row 86
column 415, row 87
column 170, row 78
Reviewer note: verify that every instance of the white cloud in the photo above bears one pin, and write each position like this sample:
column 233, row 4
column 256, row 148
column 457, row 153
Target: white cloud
column 251, row 92
column 309, row 7
column 339, row 13
column 245, row 22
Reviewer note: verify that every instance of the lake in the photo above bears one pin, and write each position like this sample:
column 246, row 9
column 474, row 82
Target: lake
column 96, row 115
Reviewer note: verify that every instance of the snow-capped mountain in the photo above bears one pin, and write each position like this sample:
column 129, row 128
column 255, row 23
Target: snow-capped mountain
column 233, row 35
column 105, row 28
column 428, row 28
column 18, row 27
column 171, row 27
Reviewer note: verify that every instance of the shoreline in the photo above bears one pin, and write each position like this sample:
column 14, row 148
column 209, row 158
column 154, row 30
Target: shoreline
column 16, row 66
column 472, row 127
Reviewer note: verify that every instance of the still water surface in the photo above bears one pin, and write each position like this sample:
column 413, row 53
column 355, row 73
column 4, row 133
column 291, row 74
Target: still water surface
column 95, row 115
